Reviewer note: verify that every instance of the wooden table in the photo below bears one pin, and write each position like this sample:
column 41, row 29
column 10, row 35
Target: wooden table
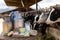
column 21, row 38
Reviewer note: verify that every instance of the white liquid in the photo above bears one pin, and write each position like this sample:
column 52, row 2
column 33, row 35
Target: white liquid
column 27, row 26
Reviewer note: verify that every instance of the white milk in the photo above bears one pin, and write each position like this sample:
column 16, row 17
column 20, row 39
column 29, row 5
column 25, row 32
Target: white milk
column 27, row 26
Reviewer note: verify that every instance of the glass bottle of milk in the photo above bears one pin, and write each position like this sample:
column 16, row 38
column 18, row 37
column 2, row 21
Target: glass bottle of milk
column 27, row 26
column 18, row 20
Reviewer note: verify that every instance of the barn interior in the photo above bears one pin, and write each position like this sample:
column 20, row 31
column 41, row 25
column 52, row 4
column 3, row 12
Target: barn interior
column 29, row 19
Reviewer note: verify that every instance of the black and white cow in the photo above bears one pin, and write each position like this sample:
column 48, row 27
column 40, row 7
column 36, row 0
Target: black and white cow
column 54, row 17
column 31, row 18
column 49, row 17
column 40, row 20
column 44, row 19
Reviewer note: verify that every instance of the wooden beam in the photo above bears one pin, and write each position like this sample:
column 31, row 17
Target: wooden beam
column 18, row 2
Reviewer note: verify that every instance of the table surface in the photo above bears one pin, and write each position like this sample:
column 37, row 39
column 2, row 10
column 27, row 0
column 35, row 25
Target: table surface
column 20, row 38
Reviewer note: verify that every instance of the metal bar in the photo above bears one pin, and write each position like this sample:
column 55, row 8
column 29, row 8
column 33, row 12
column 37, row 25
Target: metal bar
column 36, row 4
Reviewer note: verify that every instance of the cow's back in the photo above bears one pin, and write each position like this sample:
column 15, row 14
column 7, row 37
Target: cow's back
column 54, row 16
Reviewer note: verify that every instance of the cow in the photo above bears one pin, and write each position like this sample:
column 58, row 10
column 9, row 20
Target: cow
column 47, row 19
column 31, row 18
column 40, row 20
column 37, row 20
column 54, row 17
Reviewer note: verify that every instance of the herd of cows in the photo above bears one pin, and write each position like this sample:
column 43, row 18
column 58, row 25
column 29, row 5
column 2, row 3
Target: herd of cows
column 44, row 19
